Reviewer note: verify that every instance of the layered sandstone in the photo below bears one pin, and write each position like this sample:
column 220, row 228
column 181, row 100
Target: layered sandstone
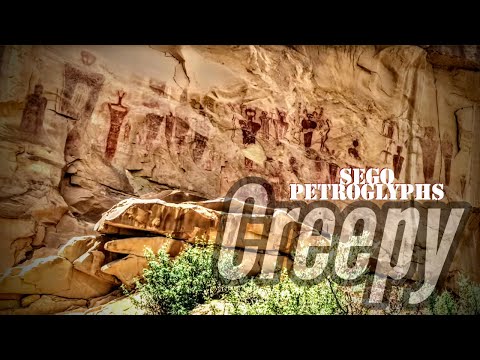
column 83, row 128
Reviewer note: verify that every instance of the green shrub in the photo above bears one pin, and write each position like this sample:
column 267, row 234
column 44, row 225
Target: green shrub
column 467, row 302
column 285, row 297
column 177, row 286
column 469, row 293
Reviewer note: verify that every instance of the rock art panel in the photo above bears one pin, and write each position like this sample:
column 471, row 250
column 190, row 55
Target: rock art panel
column 80, row 92
column 117, row 115
column 87, row 57
column 447, row 152
column 281, row 125
column 34, row 111
column 398, row 162
column 249, row 132
column 153, row 123
column 429, row 144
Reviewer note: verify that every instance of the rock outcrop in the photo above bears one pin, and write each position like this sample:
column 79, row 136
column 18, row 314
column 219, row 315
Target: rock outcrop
column 115, row 133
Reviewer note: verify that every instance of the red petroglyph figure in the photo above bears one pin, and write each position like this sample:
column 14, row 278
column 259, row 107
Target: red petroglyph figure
column 209, row 103
column 388, row 128
column 181, row 131
column 80, row 92
column 177, row 129
column 388, row 151
column 198, row 107
column 463, row 184
column 117, row 114
column 333, row 169
column 200, row 143
column 87, row 57
column 293, row 165
column 308, row 125
column 208, row 163
column 353, row 150
column 126, row 132
column 265, row 124
column 447, row 151
column 249, row 132
column 159, row 88
column 318, row 164
column 325, row 125
column 281, row 125
column 184, row 96
column 153, row 122
column 169, row 125
column 34, row 112
column 398, row 162
column 429, row 148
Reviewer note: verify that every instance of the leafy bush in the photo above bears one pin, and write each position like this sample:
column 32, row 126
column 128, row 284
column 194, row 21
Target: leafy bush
column 177, row 286
column 285, row 297
column 467, row 302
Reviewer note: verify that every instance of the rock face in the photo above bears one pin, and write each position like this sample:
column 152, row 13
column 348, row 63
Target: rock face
column 87, row 128
column 182, row 221
column 136, row 246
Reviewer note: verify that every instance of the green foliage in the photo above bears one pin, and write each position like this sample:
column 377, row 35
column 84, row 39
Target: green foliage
column 285, row 297
column 444, row 304
column 467, row 302
column 177, row 286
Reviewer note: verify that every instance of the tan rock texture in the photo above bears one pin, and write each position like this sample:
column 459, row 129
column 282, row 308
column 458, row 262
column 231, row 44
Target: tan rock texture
column 127, row 269
column 47, row 304
column 137, row 246
column 141, row 144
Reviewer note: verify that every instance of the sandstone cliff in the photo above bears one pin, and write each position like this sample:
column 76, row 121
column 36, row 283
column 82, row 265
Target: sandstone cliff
column 85, row 127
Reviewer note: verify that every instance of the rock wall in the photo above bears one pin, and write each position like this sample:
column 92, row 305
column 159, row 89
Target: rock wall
column 84, row 127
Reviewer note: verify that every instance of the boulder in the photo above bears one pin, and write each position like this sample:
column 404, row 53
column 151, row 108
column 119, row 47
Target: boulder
column 126, row 269
column 67, row 227
column 48, row 304
column 91, row 262
column 181, row 221
column 16, row 236
column 29, row 299
column 83, row 286
column 52, row 275
column 76, row 247
column 179, row 132
column 43, row 276
column 173, row 196
column 136, row 246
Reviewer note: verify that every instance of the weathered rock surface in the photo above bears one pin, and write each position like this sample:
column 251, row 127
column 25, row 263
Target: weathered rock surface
column 29, row 299
column 136, row 246
column 9, row 304
column 181, row 221
column 76, row 247
column 126, row 269
column 118, row 306
column 16, row 239
column 47, row 304
column 53, row 275
column 86, row 127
